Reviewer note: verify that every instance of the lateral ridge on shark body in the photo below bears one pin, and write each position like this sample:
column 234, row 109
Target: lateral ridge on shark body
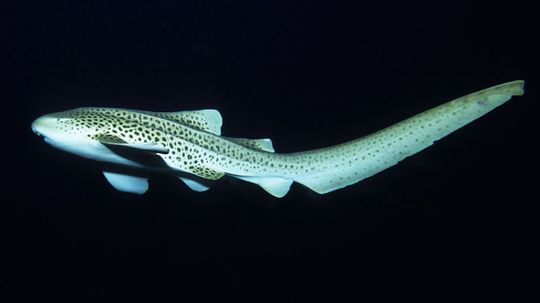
column 188, row 144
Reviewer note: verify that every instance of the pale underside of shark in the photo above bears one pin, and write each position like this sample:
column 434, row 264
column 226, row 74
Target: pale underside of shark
column 132, row 144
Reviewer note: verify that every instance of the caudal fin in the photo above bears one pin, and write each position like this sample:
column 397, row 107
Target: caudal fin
column 345, row 164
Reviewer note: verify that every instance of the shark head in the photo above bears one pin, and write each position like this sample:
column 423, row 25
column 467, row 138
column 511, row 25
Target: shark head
column 72, row 131
column 98, row 133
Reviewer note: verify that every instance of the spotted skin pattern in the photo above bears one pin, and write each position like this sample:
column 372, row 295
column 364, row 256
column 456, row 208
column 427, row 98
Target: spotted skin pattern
column 194, row 145
column 191, row 149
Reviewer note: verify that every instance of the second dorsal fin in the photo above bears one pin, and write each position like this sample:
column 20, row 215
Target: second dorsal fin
column 258, row 144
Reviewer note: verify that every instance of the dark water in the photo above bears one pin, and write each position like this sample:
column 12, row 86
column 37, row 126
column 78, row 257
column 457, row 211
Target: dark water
column 457, row 220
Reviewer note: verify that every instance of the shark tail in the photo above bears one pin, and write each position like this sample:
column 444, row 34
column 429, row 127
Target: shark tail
column 341, row 165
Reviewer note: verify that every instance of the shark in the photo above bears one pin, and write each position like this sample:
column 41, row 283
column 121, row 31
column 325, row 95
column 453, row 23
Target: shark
column 131, row 145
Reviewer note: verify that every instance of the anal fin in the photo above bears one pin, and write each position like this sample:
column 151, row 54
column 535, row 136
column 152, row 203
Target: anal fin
column 194, row 185
column 276, row 186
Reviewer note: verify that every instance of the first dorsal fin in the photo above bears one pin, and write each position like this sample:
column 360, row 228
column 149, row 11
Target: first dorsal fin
column 206, row 119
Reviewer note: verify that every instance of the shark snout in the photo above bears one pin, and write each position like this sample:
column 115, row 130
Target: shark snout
column 44, row 125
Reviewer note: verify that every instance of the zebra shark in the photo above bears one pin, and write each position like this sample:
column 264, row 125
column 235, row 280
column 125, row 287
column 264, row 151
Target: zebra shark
column 132, row 144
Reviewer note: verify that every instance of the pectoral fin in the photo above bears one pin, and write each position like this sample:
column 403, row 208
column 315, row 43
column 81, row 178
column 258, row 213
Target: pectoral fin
column 127, row 183
column 116, row 142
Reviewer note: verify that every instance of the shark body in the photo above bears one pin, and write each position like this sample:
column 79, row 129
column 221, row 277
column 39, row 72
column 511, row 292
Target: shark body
column 189, row 145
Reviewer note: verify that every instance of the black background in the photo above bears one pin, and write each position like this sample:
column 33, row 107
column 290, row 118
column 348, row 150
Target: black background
column 455, row 221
